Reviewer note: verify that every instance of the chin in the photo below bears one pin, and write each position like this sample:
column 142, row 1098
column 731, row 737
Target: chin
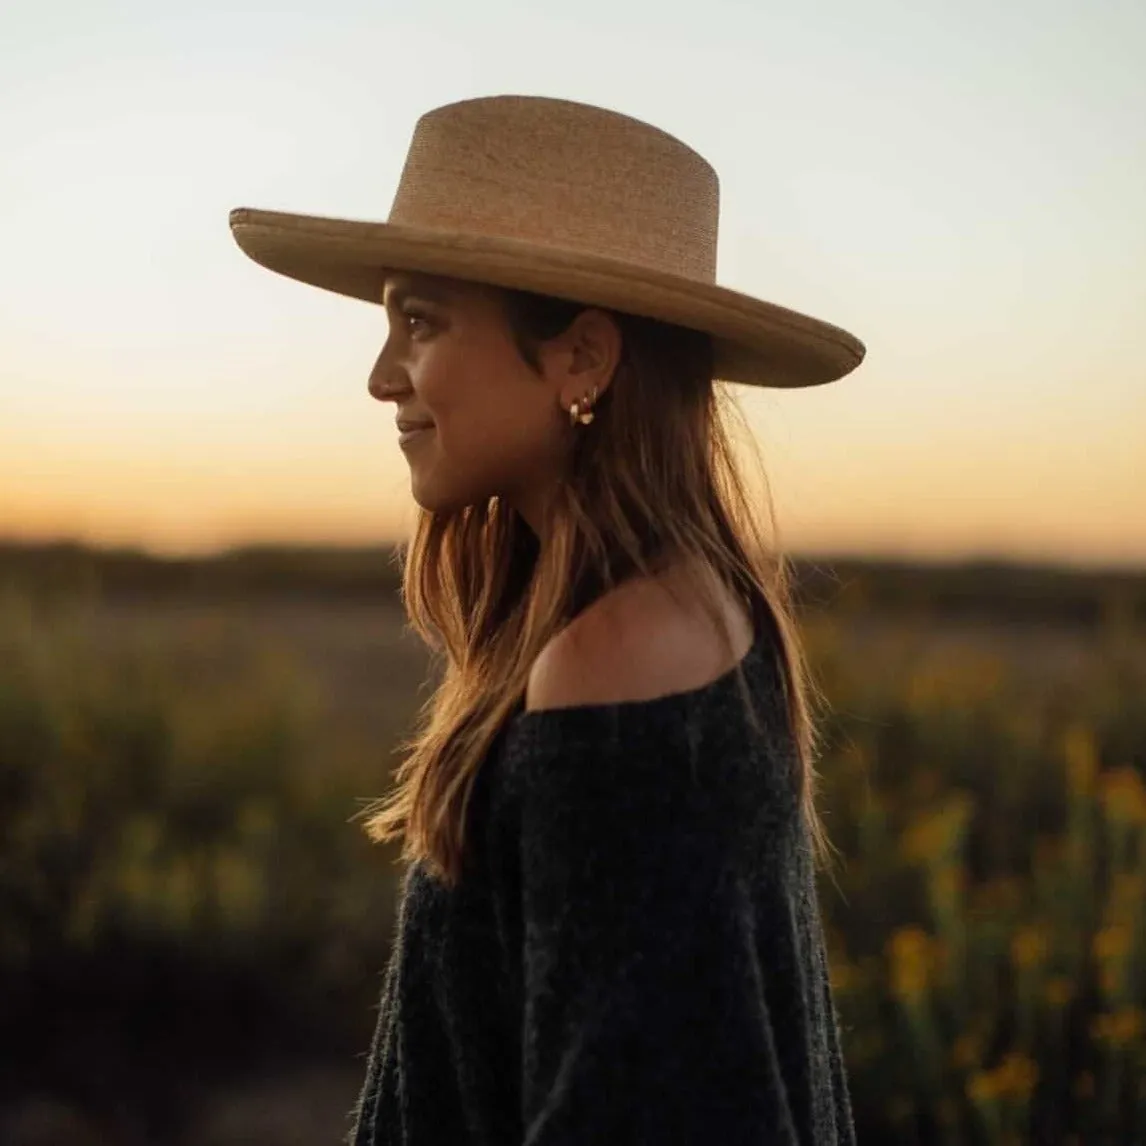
column 438, row 501
column 451, row 496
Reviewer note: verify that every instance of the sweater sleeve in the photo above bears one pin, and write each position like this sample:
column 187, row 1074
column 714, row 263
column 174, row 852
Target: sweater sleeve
column 646, row 1017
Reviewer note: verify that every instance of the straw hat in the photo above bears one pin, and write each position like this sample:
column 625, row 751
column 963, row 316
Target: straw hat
column 566, row 199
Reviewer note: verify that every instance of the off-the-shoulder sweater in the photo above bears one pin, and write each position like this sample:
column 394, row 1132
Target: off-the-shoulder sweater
column 634, row 952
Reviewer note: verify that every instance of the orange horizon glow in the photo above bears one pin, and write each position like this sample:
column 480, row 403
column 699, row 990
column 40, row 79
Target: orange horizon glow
column 961, row 189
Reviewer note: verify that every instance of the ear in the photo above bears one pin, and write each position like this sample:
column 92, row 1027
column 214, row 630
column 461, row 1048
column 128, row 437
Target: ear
column 586, row 355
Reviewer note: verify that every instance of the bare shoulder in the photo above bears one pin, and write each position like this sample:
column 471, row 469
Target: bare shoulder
column 635, row 643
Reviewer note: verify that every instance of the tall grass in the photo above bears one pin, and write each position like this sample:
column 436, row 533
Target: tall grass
column 181, row 882
column 989, row 932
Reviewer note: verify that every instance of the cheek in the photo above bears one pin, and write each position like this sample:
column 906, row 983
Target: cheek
column 449, row 381
column 478, row 401
column 484, row 436
column 488, row 447
column 493, row 428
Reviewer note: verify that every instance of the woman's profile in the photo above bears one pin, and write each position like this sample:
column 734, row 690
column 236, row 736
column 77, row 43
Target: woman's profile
column 608, row 930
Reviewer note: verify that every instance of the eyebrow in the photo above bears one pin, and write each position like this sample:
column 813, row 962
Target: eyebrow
column 420, row 288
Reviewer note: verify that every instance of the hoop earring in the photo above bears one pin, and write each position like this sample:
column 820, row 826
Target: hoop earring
column 579, row 411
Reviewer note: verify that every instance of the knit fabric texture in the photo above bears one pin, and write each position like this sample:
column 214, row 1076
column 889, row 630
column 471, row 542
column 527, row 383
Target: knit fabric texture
column 634, row 953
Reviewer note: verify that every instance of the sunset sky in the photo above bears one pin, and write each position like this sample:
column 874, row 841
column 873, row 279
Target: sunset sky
column 962, row 185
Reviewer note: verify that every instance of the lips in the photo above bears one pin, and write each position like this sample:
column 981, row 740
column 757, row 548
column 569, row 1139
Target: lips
column 407, row 424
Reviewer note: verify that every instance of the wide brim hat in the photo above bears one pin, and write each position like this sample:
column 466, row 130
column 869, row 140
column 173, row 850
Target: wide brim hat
column 565, row 199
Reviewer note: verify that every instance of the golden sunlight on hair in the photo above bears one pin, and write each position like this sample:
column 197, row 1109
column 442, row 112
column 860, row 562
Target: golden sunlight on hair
column 656, row 481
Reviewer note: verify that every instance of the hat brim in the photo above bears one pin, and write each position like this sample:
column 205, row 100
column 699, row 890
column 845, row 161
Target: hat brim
column 755, row 342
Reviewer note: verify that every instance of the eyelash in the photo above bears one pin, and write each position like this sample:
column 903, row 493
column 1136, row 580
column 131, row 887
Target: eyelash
column 411, row 313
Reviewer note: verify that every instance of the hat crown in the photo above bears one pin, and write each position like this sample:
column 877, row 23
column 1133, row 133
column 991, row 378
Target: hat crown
column 565, row 175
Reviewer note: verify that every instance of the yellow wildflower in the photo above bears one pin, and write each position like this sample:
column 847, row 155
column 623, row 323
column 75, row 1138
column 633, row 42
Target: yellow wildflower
column 1127, row 890
column 948, row 883
column 911, row 954
column 1112, row 943
column 1018, row 1076
column 1029, row 946
column 923, row 840
column 1119, row 1029
column 1081, row 758
column 982, row 1087
column 910, row 945
column 1123, row 795
column 1014, row 1079
column 939, row 833
column 842, row 975
column 1059, row 991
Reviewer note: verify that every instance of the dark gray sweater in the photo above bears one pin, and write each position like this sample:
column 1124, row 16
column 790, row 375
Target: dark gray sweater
column 634, row 953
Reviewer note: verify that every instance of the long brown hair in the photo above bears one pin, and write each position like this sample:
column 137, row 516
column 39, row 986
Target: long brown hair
column 652, row 481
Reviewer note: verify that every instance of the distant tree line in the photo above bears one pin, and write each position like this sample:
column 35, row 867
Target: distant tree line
column 993, row 591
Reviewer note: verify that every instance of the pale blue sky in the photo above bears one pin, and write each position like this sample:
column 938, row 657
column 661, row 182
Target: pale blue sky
column 963, row 185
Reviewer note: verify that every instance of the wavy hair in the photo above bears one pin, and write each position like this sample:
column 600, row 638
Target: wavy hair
column 653, row 481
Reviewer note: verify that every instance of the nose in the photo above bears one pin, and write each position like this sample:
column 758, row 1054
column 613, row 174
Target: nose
column 385, row 382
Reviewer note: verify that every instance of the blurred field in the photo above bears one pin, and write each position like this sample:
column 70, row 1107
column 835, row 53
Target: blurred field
column 192, row 932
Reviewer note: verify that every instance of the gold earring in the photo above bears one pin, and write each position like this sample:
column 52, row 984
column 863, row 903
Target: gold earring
column 575, row 410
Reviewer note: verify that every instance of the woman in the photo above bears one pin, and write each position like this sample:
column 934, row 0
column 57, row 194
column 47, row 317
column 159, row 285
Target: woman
column 608, row 930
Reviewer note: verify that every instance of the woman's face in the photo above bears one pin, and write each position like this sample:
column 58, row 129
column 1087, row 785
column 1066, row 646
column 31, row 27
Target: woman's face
column 492, row 426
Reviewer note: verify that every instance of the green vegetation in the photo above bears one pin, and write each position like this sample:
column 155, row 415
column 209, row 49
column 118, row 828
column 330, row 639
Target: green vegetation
column 183, row 746
column 989, row 928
